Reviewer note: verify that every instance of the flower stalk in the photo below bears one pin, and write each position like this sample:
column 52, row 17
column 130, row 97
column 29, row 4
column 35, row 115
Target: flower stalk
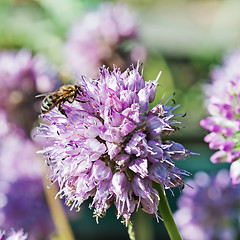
column 166, row 215
column 59, row 218
column 143, row 226
column 131, row 232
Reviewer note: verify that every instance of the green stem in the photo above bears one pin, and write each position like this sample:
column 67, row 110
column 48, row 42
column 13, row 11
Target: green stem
column 167, row 216
column 59, row 218
column 131, row 232
column 143, row 226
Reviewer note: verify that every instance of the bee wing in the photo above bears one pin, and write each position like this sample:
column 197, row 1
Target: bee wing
column 45, row 94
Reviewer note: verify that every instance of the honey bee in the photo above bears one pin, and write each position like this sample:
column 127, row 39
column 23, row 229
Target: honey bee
column 58, row 97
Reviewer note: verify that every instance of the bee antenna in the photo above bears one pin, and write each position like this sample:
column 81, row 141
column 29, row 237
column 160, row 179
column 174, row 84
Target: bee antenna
column 184, row 115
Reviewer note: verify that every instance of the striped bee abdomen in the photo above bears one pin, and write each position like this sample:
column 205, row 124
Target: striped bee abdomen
column 49, row 103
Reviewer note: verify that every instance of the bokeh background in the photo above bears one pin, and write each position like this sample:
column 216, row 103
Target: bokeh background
column 184, row 39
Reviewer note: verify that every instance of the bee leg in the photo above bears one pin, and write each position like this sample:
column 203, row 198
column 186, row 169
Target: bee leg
column 70, row 100
column 78, row 100
column 62, row 111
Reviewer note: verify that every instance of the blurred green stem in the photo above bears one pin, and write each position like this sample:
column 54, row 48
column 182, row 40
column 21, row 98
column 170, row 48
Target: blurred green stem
column 57, row 212
column 131, row 232
column 143, row 226
column 167, row 216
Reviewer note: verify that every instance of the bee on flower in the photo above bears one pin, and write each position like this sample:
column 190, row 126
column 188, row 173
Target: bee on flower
column 109, row 147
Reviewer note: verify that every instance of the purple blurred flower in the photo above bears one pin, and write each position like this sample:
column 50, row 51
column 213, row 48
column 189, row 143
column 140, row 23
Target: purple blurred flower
column 104, row 36
column 22, row 200
column 22, row 77
column 23, row 205
column 109, row 149
column 13, row 235
column 209, row 209
column 223, row 105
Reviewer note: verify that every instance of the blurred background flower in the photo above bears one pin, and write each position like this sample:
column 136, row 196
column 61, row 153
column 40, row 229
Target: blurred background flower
column 184, row 40
column 223, row 105
column 22, row 198
column 209, row 208
column 106, row 36
column 13, row 235
column 22, row 77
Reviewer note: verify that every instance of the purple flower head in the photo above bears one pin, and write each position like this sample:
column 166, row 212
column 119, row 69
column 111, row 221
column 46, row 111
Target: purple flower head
column 104, row 148
column 105, row 36
column 209, row 208
column 223, row 106
column 22, row 77
column 13, row 235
